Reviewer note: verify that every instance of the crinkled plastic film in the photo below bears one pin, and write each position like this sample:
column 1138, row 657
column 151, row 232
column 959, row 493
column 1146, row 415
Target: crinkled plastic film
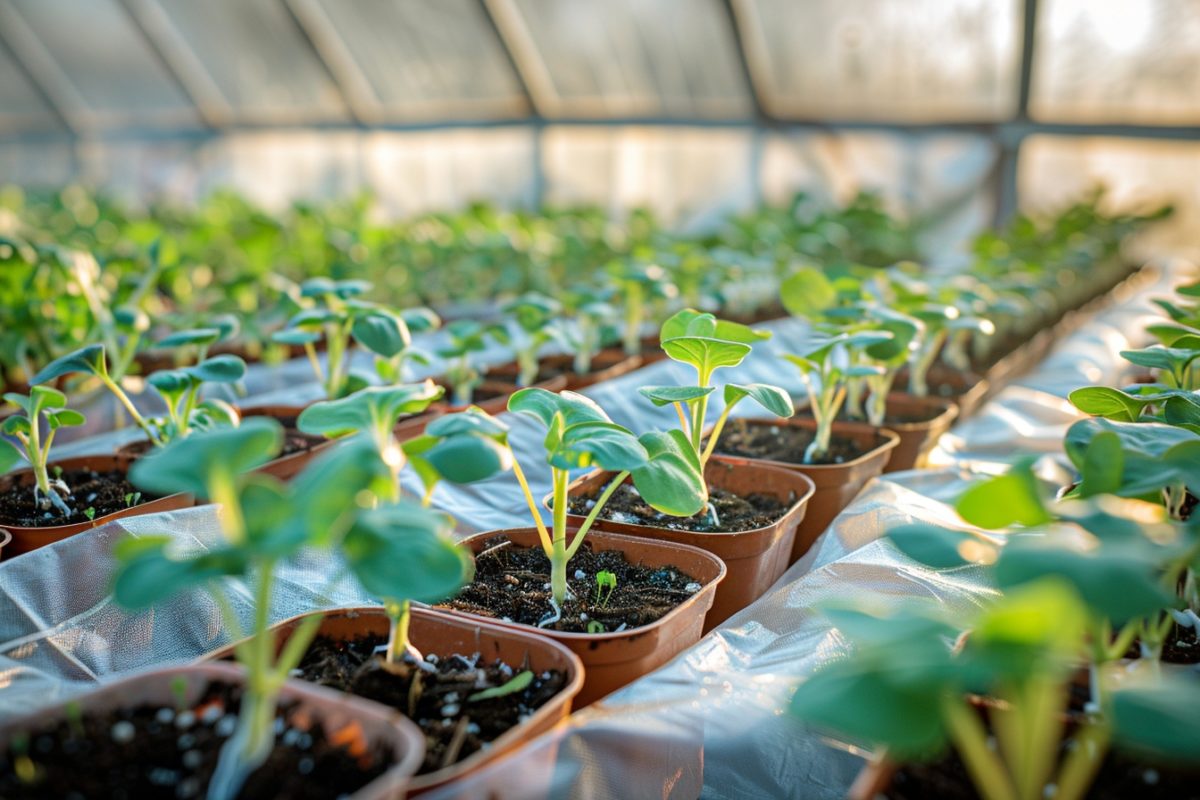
column 713, row 721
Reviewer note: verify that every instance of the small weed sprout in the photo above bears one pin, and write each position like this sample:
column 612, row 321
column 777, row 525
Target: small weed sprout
column 605, row 580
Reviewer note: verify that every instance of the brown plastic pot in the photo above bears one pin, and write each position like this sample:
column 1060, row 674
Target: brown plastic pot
column 287, row 467
column 492, row 396
column 334, row 711
column 965, row 389
column 872, row 780
column 756, row 558
column 443, row 633
column 26, row 539
column 836, row 484
column 917, row 439
column 607, row 364
column 611, row 660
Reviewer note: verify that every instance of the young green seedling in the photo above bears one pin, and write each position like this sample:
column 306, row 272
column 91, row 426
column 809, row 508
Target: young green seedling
column 92, row 360
column 941, row 320
column 636, row 285
column 196, row 342
column 389, row 337
column 664, row 467
column 827, row 367
column 338, row 316
column 467, row 337
column 592, row 319
column 394, row 551
column 1174, row 363
column 606, row 584
column 42, row 404
column 889, row 356
column 467, row 449
column 537, row 318
column 708, row 344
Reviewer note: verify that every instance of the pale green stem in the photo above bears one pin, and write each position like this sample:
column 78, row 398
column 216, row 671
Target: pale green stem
column 633, row 318
column 558, row 550
column 970, row 739
column 716, row 434
column 543, row 535
column 310, row 350
column 1082, row 763
column 124, row 400
column 400, row 614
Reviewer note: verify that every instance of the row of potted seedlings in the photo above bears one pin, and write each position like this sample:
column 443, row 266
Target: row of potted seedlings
column 1078, row 678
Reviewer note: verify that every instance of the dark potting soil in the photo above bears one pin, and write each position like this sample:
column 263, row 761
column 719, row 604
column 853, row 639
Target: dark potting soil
column 455, row 726
column 1180, row 647
column 734, row 512
column 513, row 583
column 1119, row 778
column 152, row 752
column 785, row 443
column 103, row 492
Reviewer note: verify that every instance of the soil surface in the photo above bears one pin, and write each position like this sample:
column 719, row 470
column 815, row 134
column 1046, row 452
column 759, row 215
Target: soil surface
column 103, row 492
column 785, row 443
column 152, row 752
column 455, row 726
column 513, row 584
column 1181, row 647
column 734, row 512
column 1120, row 778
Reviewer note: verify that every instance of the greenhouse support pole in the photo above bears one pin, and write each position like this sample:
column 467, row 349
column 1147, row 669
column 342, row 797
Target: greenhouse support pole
column 1010, row 139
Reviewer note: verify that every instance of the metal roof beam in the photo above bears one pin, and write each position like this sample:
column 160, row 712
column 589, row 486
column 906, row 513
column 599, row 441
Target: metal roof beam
column 361, row 115
column 358, row 94
column 151, row 21
column 41, row 70
column 523, row 54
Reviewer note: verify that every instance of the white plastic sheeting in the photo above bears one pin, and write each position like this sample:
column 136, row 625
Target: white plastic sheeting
column 712, row 720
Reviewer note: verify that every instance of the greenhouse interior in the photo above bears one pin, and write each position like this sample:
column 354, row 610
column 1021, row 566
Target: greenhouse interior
column 600, row 399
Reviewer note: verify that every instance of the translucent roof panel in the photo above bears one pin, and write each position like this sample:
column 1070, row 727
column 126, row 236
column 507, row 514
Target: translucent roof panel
column 103, row 70
column 899, row 60
column 1133, row 61
column 258, row 57
column 1138, row 173
column 627, row 57
column 21, row 107
column 423, row 60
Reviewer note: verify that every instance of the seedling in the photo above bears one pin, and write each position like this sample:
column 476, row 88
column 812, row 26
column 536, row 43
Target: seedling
column 595, row 626
column 827, row 368
column 466, row 338
column 518, row 683
column 178, row 388
column 132, row 499
column 888, row 356
column 636, row 285
column 708, row 344
column 592, row 319
column 1021, row 649
column 606, row 584
column 389, row 337
column 467, row 449
column 338, row 316
column 536, row 317
column 90, row 513
column 1174, row 363
column 198, row 341
column 941, row 319
column 47, row 405
column 396, row 551
column 664, row 467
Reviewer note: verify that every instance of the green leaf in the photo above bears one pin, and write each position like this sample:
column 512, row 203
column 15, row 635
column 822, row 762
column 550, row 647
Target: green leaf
column 88, row 360
column 771, row 398
column 1103, row 466
column 381, row 332
column 542, row 405
column 458, row 458
column 405, row 552
column 942, row 548
column 10, row 454
column 665, row 395
column 65, row 418
column 603, row 445
column 473, row 420
column 294, row 336
column 192, row 336
column 266, row 510
column 1159, row 719
column 325, row 496
column 1170, row 359
column 191, row 463
column 219, row 369
column 1103, row 401
column 1092, row 572
column 807, row 293
column 705, row 354
column 1014, row 498
column 671, row 480
column 147, row 575
column 359, row 411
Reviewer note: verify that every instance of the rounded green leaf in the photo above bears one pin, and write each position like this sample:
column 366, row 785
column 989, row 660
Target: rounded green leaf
column 460, row 458
column 89, row 360
column 381, row 332
column 807, row 293
column 1014, row 498
column 942, row 548
column 65, row 418
column 192, row 336
column 603, row 445
column 219, row 369
column 294, row 336
column 1103, row 401
column 192, row 463
column 771, row 398
column 473, row 420
column 705, row 354
column 671, row 479
column 359, row 411
column 666, row 395
column 542, row 405
column 404, row 552
column 1158, row 718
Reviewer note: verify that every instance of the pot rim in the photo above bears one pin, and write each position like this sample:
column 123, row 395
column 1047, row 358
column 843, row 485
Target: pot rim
column 400, row 772
column 800, row 502
column 708, row 588
column 949, row 412
column 117, row 461
column 891, row 443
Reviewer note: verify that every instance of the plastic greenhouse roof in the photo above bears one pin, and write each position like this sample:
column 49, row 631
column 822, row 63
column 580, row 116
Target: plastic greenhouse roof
column 98, row 66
